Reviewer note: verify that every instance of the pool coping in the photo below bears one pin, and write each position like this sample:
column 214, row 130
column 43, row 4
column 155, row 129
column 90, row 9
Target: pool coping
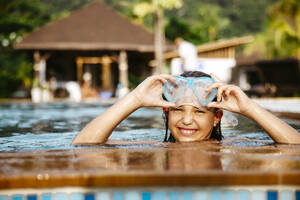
column 207, row 178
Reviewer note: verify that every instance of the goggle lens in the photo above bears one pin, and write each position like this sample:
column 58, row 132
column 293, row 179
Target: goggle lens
column 180, row 89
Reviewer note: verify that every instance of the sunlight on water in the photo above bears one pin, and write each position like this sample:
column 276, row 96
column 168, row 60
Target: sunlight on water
column 30, row 127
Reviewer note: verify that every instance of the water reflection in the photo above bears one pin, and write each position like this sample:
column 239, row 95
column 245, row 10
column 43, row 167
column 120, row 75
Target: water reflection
column 177, row 157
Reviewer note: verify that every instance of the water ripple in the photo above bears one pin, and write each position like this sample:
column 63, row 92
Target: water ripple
column 31, row 127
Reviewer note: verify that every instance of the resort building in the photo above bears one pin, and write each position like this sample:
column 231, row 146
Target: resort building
column 94, row 44
column 215, row 57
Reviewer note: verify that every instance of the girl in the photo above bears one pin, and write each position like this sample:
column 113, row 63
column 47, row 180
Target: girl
column 189, row 119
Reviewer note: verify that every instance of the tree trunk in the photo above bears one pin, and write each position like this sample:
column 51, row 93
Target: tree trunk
column 159, row 40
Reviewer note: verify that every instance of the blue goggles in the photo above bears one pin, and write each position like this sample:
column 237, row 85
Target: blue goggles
column 189, row 91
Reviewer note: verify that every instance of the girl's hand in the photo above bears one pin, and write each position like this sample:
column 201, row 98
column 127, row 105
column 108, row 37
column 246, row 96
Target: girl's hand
column 230, row 97
column 149, row 92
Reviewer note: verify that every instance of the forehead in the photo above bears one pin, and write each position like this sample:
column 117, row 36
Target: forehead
column 192, row 107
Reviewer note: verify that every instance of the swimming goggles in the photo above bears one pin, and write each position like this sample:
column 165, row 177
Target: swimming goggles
column 189, row 91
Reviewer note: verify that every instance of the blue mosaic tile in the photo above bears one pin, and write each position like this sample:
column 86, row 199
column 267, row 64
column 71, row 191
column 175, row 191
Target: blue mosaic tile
column 228, row 195
column 187, row 195
column 215, row 195
column 259, row 195
column 103, row 196
column 173, row 195
column 286, row 195
column 76, row 196
column 132, row 196
column 146, row 196
column 45, row 197
column 118, row 196
column 201, row 195
column 17, row 197
column 89, row 196
column 160, row 195
column 244, row 195
column 31, row 197
column 297, row 195
column 272, row 195
column 60, row 196
column 3, row 197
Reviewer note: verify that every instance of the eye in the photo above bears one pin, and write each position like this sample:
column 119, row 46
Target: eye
column 177, row 109
column 200, row 111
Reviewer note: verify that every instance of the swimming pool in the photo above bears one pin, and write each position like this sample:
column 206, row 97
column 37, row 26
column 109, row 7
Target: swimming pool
column 37, row 161
column 31, row 127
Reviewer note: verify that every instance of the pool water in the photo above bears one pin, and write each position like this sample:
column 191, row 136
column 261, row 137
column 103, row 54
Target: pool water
column 31, row 127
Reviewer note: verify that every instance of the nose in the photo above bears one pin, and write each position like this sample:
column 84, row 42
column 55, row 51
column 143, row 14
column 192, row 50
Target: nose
column 187, row 118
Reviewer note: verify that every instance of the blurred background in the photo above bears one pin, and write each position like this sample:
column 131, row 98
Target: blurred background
column 266, row 62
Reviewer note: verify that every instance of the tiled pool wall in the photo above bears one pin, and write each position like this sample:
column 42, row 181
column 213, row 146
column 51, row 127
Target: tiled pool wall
column 156, row 193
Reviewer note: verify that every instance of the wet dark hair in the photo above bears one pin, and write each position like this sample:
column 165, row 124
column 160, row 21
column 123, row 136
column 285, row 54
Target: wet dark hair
column 216, row 131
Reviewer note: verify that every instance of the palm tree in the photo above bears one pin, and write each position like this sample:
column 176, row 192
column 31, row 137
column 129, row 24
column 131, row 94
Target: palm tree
column 157, row 8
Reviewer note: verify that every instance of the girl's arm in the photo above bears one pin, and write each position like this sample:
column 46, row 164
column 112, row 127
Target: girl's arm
column 278, row 130
column 100, row 128
column 232, row 98
column 148, row 93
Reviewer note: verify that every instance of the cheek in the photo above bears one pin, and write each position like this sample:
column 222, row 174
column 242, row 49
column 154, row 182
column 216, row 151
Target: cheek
column 172, row 121
column 206, row 119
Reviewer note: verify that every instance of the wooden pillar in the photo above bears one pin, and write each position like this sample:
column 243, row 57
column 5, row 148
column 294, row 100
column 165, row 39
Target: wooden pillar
column 42, row 71
column 79, row 64
column 231, row 52
column 123, row 69
column 36, row 67
column 106, row 73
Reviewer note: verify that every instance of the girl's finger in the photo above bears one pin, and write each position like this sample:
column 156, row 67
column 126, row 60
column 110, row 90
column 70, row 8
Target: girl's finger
column 228, row 90
column 215, row 105
column 215, row 85
column 167, row 104
column 216, row 78
column 160, row 79
column 168, row 77
column 220, row 91
column 163, row 78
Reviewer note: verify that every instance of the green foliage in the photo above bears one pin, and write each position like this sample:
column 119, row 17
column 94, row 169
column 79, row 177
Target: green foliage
column 208, row 20
column 246, row 17
column 17, row 18
column 202, row 24
column 16, row 72
column 134, row 81
column 281, row 38
column 20, row 16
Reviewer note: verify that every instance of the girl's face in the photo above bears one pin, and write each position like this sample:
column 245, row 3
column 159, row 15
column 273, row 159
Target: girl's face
column 190, row 124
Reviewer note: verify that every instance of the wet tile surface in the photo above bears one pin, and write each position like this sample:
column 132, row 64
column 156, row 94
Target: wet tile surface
column 173, row 164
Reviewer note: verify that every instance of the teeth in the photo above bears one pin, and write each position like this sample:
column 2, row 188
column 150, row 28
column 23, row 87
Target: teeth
column 187, row 132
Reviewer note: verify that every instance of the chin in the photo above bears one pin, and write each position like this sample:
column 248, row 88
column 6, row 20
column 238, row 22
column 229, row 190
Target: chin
column 187, row 139
column 181, row 138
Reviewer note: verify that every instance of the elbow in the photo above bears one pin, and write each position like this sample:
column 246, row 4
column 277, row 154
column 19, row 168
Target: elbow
column 84, row 141
column 76, row 141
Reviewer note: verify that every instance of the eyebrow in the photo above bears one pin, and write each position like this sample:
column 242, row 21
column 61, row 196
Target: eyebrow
column 201, row 109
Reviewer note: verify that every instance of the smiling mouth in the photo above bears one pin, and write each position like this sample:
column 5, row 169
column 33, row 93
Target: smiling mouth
column 187, row 132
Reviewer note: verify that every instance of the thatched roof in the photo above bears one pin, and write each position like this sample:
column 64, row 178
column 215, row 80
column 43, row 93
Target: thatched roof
column 92, row 27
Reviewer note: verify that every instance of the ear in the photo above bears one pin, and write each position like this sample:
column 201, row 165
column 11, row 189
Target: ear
column 218, row 117
column 166, row 111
